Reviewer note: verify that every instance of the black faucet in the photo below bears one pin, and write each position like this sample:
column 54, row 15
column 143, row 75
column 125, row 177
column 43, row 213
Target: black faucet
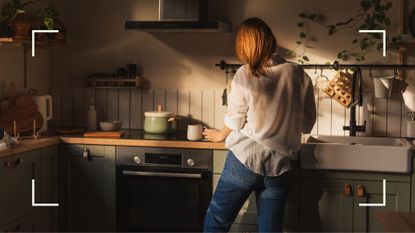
column 353, row 128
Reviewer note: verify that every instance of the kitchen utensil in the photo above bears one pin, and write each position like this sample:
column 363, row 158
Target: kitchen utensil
column 383, row 86
column 410, row 125
column 409, row 98
column 340, row 88
column 194, row 132
column 321, row 82
column 44, row 106
column 110, row 125
column 159, row 121
column 93, row 134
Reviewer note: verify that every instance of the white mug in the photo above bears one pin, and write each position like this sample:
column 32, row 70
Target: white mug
column 194, row 132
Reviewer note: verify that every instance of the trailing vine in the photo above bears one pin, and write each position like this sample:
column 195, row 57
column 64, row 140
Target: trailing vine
column 372, row 15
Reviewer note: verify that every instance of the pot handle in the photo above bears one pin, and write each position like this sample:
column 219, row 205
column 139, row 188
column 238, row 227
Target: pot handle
column 175, row 118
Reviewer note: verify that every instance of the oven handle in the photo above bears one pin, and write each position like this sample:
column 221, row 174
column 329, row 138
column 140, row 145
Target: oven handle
column 163, row 174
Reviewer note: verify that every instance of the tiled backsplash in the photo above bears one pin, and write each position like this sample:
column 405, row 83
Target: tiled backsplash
column 70, row 107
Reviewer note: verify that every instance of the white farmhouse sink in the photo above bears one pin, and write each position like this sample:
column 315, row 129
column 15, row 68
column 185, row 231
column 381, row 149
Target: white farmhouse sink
column 357, row 154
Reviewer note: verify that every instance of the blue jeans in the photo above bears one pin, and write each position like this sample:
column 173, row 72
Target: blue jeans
column 235, row 185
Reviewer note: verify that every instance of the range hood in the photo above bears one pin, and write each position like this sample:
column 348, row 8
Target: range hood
column 181, row 16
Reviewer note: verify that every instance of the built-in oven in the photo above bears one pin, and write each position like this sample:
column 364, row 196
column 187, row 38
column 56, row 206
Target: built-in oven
column 162, row 189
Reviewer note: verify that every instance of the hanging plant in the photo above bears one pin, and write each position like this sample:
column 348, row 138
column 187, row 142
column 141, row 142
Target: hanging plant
column 372, row 15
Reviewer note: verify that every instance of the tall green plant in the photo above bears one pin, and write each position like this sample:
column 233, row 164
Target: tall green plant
column 372, row 15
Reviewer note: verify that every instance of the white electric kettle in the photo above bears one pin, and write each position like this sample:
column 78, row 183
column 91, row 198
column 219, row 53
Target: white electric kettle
column 44, row 106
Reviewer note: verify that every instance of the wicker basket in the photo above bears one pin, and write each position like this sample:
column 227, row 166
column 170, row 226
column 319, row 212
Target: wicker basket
column 340, row 88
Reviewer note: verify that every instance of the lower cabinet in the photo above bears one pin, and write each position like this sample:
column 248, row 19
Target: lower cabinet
column 328, row 201
column 87, row 188
column 332, row 205
column 397, row 200
column 324, row 207
column 16, row 174
column 29, row 223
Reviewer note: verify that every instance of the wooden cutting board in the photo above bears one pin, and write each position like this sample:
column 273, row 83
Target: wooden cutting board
column 23, row 111
column 98, row 134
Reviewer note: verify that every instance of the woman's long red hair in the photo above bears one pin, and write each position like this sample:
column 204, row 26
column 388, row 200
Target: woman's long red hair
column 255, row 44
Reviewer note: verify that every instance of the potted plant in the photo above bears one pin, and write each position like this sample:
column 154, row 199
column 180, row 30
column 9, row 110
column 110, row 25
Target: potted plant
column 47, row 19
column 16, row 14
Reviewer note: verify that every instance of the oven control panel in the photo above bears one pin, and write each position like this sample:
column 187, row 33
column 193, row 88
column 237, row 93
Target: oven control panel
column 165, row 157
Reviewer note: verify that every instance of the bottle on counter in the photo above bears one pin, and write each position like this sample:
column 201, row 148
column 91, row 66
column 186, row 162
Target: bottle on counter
column 410, row 125
column 92, row 116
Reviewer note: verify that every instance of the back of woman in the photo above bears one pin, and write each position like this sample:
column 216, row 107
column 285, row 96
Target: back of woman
column 271, row 103
column 279, row 110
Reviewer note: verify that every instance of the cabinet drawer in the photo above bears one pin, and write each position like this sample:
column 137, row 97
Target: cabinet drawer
column 16, row 174
column 219, row 158
column 78, row 150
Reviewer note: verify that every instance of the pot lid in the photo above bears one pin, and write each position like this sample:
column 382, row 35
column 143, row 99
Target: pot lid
column 158, row 114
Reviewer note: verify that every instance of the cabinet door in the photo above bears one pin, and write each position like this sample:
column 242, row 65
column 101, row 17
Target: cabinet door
column 16, row 174
column 397, row 199
column 29, row 223
column 324, row 206
column 291, row 218
column 92, row 188
column 48, row 186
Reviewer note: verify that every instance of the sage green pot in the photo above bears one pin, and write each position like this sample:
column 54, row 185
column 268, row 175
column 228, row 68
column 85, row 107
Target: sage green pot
column 159, row 122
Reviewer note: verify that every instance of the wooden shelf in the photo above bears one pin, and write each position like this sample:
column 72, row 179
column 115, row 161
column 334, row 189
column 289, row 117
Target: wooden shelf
column 18, row 41
column 97, row 81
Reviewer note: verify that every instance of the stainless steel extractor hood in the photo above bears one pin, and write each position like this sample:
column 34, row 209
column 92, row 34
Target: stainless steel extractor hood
column 181, row 16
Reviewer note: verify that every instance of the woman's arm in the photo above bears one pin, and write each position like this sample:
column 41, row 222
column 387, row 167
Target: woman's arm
column 216, row 135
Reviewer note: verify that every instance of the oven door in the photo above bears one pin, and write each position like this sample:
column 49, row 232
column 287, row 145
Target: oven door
column 162, row 199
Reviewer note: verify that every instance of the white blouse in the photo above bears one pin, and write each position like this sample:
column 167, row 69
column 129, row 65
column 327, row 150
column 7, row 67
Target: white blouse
column 267, row 115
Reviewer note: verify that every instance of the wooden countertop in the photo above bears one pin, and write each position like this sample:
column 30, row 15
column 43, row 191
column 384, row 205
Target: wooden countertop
column 146, row 143
column 25, row 145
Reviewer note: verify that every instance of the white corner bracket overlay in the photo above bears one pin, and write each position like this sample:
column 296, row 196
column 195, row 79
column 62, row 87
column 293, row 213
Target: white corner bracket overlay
column 383, row 204
column 40, row 204
column 378, row 31
column 33, row 37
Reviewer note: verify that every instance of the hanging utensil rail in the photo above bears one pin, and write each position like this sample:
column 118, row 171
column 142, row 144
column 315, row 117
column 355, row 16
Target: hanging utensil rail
column 336, row 66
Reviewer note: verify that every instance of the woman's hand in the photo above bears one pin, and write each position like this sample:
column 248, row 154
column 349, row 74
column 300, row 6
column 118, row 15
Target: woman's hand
column 215, row 135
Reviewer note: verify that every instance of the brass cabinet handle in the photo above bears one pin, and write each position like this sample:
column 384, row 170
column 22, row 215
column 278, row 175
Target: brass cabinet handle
column 347, row 190
column 360, row 192
column 14, row 164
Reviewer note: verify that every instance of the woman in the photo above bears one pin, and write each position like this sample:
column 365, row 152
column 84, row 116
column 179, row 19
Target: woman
column 270, row 104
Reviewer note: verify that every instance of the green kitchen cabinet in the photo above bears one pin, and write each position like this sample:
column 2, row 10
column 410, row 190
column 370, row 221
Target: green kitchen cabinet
column 16, row 174
column 88, row 188
column 28, row 223
column 330, row 200
column 397, row 200
column 49, row 187
column 324, row 205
